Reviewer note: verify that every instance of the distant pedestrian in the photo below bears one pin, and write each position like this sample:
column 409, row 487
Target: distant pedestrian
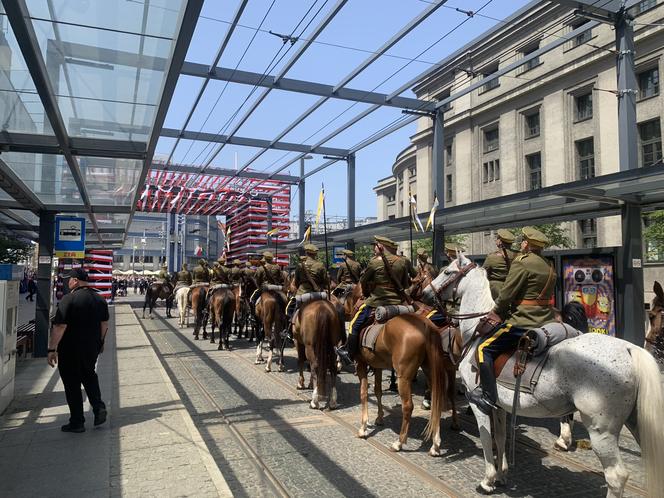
column 32, row 289
column 77, row 338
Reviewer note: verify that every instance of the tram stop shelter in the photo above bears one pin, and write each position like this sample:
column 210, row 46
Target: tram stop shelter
column 96, row 89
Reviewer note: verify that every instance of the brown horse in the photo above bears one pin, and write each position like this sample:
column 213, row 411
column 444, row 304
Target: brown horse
column 317, row 329
column 654, row 343
column 222, row 307
column 271, row 312
column 159, row 290
column 198, row 296
column 406, row 343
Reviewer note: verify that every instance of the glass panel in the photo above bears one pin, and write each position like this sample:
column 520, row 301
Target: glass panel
column 110, row 181
column 28, row 216
column 20, row 107
column 104, row 220
column 106, row 62
column 47, row 175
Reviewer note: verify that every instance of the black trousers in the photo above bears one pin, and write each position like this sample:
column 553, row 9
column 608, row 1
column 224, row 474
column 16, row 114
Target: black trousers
column 76, row 368
column 504, row 338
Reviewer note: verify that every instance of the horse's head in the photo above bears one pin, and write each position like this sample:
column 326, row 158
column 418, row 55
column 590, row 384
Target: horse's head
column 450, row 282
column 655, row 316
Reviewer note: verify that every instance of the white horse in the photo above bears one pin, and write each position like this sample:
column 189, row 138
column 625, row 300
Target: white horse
column 181, row 296
column 611, row 382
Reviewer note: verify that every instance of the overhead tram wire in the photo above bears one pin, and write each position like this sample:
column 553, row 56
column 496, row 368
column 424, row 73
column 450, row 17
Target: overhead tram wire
column 208, row 159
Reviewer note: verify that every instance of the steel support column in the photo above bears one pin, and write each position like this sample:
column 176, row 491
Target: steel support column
column 44, row 290
column 438, row 182
column 350, row 200
column 630, row 289
column 301, row 200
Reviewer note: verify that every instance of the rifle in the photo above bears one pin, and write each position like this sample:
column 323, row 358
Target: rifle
column 352, row 274
column 395, row 282
column 506, row 258
column 309, row 278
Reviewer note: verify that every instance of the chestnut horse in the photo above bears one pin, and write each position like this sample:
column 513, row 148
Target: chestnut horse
column 271, row 313
column 406, row 343
column 198, row 295
column 317, row 329
column 222, row 307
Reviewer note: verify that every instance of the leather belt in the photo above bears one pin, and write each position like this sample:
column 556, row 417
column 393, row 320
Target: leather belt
column 536, row 302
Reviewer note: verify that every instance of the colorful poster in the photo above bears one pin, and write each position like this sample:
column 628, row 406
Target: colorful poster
column 590, row 281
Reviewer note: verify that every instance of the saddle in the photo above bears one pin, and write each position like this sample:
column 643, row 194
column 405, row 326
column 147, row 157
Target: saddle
column 379, row 318
column 542, row 340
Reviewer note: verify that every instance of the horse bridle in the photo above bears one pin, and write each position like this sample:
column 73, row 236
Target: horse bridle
column 459, row 274
column 659, row 332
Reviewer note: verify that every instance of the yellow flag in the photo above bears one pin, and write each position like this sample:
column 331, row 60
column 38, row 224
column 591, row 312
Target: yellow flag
column 307, row 236
column 319, row 209
column 432, row 213
column 273, row 231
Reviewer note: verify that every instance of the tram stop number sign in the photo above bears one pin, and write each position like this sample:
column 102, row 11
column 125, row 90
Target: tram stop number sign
column 70, row 237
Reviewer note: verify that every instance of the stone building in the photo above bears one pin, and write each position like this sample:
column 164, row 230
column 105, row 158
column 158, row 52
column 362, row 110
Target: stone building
column 552, row 121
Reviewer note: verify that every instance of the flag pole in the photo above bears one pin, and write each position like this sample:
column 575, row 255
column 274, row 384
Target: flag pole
column 327, row 266
column 276, row 247
column 410, row 225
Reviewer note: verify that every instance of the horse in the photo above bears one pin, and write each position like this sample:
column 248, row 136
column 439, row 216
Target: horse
column 198, row 296
column 159, row 290
column 181, row 299
column 654, row 342
column 222, row 307
column 317, row 329
column 271, row 312
column 611, row 382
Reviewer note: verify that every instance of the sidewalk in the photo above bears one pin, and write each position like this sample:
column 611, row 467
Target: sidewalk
column 149, row 446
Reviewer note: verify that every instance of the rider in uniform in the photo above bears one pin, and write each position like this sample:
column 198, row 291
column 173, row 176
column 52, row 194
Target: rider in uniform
column 309, row 270
column 183, row 277
column 269, row 273
column 424, row 268
column 164, row 276
column 201, row 272
column 524, row 302
column 236, row 271
column 379, row 290
column 498, row 263
column 349, row 271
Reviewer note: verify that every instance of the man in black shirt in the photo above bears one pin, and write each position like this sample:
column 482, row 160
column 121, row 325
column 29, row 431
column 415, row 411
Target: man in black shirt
column 77, row 338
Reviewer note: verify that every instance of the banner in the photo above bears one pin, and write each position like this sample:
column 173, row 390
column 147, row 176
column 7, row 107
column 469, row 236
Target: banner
column 590, row 281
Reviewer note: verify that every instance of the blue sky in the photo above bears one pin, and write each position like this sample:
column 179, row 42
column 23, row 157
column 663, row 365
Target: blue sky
column 362, row 25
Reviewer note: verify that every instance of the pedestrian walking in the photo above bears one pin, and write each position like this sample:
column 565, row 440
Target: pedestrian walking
column 77, row 337
column 32, row 289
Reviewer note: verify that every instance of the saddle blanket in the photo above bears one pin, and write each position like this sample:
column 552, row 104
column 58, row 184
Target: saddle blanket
column 199, row 284
column 384, row 313
column 310, row 296
column 272, row 287
column 370, row 334
column 219, row 286
column 180, row 286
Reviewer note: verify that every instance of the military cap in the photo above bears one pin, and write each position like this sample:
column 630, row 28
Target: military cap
column 164, row 265
column 310, row 248
column 215, row 264
column 535, row 237
column 421, row 251
column 247, row 264
column 505, row 235
column 221, row 259
column 452, row 247
column 184, row 266
column 237, row 262
column 202, row 261
column 347, row 252
column 267, row 255
column 379, row 239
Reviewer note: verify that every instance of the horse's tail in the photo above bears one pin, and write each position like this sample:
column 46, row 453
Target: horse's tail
column 148, row 297
column 325, row 323
column 439, row 380
column 649, row 408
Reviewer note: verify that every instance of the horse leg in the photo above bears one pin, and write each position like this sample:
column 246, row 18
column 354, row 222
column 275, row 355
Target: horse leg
column 565, row 440
column 604, row 440
column 332, row 403
column 314, row 374
column 364, row 399
column 500, row 436
column 300, row 365
column 451, row 395
column 488, row 484
column 259, row 353
column 378, row 391
column 214, row 324
column 270, row 345
column 404, row 382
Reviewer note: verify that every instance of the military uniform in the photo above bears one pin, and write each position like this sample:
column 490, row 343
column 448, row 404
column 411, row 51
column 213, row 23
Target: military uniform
column 316, row 272
column 266, row 273
column 236, row 272
column 183, row 277
column 164, row 275
column 350, row 270
column 379, row 289
column 498, row 263
column 220, row 274
column 201, row 273
column 525, row 302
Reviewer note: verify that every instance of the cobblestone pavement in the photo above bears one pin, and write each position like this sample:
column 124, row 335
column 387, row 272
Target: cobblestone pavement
column 317, row 453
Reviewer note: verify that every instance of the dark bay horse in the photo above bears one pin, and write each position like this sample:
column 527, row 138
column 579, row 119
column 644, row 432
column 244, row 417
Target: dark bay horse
column 198, row 296
column 222, row 307
column 271, row 312
column 317, row 329
column 159, row 290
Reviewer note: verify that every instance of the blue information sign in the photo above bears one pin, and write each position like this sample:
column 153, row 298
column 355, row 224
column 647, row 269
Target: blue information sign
column 337, row 255
column 70, row 237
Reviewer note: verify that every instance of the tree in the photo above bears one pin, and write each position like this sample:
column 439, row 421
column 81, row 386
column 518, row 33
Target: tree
column 14, row 251
column 363, row 254
column 654, row 234
column 427, row 244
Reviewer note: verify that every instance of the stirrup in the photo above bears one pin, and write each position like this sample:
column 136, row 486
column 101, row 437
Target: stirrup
column 479, row 398
column 343, row 355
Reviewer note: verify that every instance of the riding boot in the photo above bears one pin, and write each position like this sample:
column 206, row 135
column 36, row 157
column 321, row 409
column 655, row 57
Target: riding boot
column 485, row 395
column 348, row 351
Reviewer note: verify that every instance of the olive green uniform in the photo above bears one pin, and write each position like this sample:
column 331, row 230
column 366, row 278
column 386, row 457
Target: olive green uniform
column 426, row 268
column 377, row 285
column 496, row 268
column 201, row 274
column 318, row 274
column 269, row 274
column 349, row 272
column 164, row 275
column 220, row 275
column 236, row 275
column 184, row 277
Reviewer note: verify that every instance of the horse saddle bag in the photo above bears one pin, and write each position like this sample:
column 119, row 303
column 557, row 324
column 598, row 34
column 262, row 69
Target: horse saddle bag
column 273, row 287
column 385, row 313
column 303, row 299
column 219, row 286
column 549, row 335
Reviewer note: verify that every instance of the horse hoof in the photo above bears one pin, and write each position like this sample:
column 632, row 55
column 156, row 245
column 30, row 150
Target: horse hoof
column 560, row 446
column 396, row 446
column 362, row 434
column 500, row 483
column 485, row 489
column 195, row 338
column 212, row 341
column 313, row 406
column 331, row 406
column 268, row 369
column 220, row 348
column 434, row 452
column 282, row 368
column 379, row 422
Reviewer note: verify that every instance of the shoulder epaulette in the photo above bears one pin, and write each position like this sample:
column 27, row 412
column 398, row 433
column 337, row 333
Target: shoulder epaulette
column 521, row 257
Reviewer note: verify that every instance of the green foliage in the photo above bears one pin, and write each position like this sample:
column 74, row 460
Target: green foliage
column 654, row 234
column 14, row 251
column 363, row 254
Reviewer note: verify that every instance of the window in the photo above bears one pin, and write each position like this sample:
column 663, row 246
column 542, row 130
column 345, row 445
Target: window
column 534, row 162
column 642, row 7
column 583, row 106
column 650, row 145
column 491, row 140
column 390, row 217
column 648, row 83
column 494, row 83
column 448, row 188
column 448, row 155
column 491, row 171
column 532, row 125
column 583, row 37
column 149, row 259
column 118, row 258
column 412, row 171
column 585, row 158
column 532, row 63
column 588, row 232
column 391, row 197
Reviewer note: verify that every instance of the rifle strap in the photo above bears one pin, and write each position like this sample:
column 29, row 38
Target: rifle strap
column 313, row 284
column 395, row 282
column 508, row 262
column 352, row 273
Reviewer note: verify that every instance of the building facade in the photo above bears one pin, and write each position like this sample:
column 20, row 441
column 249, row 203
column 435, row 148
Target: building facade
column 551, row 121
